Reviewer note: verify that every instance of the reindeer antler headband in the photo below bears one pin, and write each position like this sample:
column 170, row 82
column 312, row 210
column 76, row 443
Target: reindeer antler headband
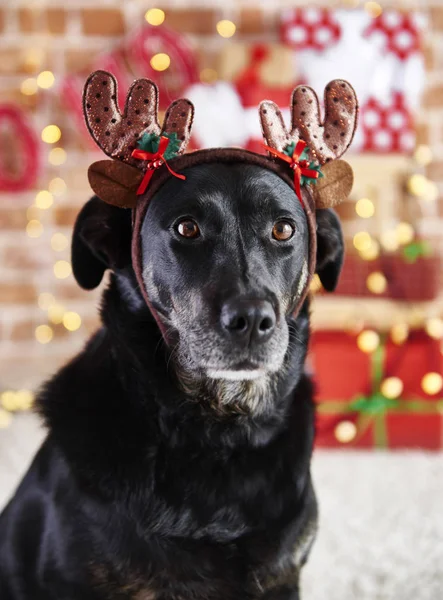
column 145, row 155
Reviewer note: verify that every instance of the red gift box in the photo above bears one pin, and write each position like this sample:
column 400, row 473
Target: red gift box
column 351, row 409
column 416, row 280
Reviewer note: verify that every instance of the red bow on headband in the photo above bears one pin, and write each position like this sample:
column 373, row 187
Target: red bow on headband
column 156, row 160
column 300, row 167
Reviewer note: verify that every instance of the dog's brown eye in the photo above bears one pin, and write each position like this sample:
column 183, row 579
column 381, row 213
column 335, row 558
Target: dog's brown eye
column 282, row 230
column 188, row 229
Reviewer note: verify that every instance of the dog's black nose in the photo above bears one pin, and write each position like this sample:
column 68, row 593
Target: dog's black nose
column 248, row 319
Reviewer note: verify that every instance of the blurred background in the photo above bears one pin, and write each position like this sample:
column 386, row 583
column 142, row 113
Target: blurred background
column 377, row 342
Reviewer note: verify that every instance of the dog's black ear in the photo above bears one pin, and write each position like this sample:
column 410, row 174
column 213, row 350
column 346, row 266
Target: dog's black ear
column 101, row 240
column 330, row 248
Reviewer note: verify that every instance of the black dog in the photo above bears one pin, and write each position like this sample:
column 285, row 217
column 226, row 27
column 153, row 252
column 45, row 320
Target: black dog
column 180, row 471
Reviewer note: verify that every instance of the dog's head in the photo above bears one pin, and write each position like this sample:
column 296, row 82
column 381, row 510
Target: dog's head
column 224, row 261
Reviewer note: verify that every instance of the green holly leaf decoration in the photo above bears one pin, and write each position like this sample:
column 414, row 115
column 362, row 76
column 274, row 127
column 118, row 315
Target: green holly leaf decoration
column 149, row 142
column 305, row 180
column 289, row 150
column 374, row 404
column 416, row 250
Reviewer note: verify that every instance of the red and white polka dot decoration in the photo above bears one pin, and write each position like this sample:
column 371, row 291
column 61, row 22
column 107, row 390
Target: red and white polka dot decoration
column 398, row 32
column 387, row 128
column 310, row 28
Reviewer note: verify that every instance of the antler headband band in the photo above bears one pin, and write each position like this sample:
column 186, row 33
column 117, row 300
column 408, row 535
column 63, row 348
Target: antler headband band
column 144, row 154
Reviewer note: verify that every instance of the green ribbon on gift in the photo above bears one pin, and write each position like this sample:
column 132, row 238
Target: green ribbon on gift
column 373, row 408
column 415, row 250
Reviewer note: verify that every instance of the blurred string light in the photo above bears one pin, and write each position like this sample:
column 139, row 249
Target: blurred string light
column 44, row 200
column 434, row 328
column 422, row 187
column 57, row 186
column 399, row 333
column 59, row 242
column 57, row 156
column 34, row 228
column 362, row 241
column 56, row 313
column 373, row 9
column 368, row 341
column 365, row 208
column 62, row 269
column 155, row 16
column 371, row 252
column 45, row 300
column 160, row 61
column 423, row 155
column 208, row 75
column 51, row 134
column 376, row 282
column 29, row 87
column 432, row 383
column 72, row 321
column 405, row 233
column 17, row 400
column 345, row 431
column 45, row 80
column 225, row 28
column 391, row 387
column 43, row 334
column 389, row 240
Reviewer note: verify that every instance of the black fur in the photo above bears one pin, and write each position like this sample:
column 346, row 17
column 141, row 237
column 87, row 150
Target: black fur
column 144, row 491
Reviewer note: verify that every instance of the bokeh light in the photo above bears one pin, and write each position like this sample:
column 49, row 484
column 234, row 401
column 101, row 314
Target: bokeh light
column 432, row 383
column 160, row 61
column 34, row 228
column 345, row 431
column 226, row 28
column 62, row 269
column 29, row 87
column 45, row 80
column 59, row 242
column 43, row 334
column 155, row 16
column 44, row 200
column 51, row 134
column 368, row 341
column 57, row 156
column 391, row 387
column 72, row 321
column 365, row 208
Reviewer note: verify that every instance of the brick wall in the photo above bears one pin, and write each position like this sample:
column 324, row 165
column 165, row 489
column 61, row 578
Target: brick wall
column 62, row 37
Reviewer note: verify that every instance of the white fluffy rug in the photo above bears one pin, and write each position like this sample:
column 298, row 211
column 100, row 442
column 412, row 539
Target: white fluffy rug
column 381, row 519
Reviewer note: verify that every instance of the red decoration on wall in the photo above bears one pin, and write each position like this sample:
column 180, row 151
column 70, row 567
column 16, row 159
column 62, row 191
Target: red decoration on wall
column 310, row 28
column 387, row 128
column 183, row 71
column 399, row 31
column 19, row 157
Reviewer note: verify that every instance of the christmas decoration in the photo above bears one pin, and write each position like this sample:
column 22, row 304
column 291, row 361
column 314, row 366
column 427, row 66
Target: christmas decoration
column 413, row 273
column 376, row 393
column 18, row 168
column 388, row 68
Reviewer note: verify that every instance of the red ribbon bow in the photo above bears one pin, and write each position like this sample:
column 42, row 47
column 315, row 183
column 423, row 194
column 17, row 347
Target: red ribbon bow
column 300, row 167
column 156, row 160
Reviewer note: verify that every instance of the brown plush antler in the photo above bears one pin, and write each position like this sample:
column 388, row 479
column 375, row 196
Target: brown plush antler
column 327, row 140
column 117, row 134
